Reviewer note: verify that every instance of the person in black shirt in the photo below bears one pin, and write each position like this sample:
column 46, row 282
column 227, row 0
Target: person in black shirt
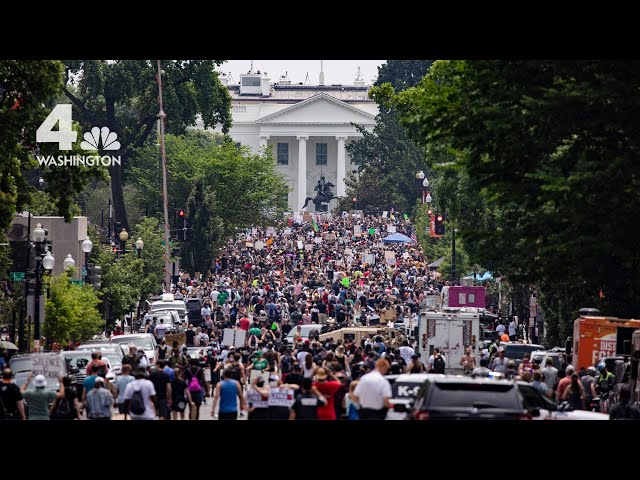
column 296, row 375
column 71, row 397
column 286, row 328
column 306, row 405
column 190, row 335
column 162, row 384
column 11, row 403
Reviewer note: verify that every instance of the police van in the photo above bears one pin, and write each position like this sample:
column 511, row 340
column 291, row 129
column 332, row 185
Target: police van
column 404, row 389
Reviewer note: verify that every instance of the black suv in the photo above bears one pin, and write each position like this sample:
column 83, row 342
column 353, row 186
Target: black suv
column 194, row 307
column 464, row 398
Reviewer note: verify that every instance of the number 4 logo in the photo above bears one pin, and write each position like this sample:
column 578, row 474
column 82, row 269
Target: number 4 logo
column 65, row 135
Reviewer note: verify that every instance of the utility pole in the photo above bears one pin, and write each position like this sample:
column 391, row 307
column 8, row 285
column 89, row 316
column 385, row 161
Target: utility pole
column 453, row 254
column 167, row 256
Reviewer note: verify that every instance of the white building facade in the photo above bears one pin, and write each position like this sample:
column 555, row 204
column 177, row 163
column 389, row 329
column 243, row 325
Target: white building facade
column 307, row 126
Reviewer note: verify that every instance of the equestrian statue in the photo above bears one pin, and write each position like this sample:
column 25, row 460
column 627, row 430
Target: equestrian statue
column 323, row 197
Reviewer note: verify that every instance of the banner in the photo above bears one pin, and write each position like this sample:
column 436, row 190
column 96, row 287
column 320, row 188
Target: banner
column 254, row 399
column 281, row 397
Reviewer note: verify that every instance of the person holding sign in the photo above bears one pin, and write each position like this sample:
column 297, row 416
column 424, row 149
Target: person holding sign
column 257, row 399
column 38, row 399
column 281, row 398
column 307, row 403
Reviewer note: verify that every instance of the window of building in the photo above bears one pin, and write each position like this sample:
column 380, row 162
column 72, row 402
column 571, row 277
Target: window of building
column 250, row 81
column 321, row 153
column 283, row 154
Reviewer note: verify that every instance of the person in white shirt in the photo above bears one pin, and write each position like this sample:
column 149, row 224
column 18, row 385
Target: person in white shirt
column 513, row 330
column 500, row 328
column 148, row 395
column 214, row 295
column 373, row 393
column 432, row 357
column 406, row 351
column 205, row 310
column 160, row 330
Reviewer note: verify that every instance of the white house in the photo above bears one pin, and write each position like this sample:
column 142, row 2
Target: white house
column 307, row 126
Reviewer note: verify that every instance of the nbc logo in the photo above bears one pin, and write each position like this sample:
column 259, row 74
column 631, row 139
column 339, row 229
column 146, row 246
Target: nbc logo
column 93, row 138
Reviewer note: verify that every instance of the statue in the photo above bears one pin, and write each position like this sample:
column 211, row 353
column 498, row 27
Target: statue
column 323, row 197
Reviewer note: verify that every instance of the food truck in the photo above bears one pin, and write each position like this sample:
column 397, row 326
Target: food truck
column 596, row 337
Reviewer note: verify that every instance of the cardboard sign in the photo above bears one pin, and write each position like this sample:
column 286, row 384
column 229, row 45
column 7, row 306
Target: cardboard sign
column 185, row 276
column 249, row 244
column 287, row 232
column 385, row 214
column 181, row 338
column 308, row 248
column 281, row 397
column 348, row 251
column 258, row 245
column 389, row 254
column 254, row 399
column 51, row 366
column 391, row 229
column 198, row 275
column 306, row 217
column 357, row 231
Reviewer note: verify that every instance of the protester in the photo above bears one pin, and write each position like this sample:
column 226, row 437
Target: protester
column 373, row 393
column 11, row 398
column 38, row 399
column 229, row 393
column 99, row 401
column 140, row 397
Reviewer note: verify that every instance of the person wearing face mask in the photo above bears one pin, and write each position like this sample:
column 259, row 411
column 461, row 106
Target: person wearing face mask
column 257, row 400
column 162, row 349
column 214, row 368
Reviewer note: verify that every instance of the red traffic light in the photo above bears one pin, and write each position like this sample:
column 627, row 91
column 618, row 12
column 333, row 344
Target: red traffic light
column 429, row 212
column 181, row 213
column 439, row 218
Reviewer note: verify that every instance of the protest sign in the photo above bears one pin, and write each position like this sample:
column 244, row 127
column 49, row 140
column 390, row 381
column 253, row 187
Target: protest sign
column 281, row 397
column 51, row 366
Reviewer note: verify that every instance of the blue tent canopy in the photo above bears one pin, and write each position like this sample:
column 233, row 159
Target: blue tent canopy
column 481, row 278
column 397, row 238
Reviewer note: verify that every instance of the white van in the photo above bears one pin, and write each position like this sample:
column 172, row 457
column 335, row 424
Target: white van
column 306, row 330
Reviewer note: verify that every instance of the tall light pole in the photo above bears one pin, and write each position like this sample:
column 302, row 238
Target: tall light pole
column 124, row 236
column 87, row 246
column 47, row 263
column 165, row 196
column 139, row 247
column 453, row 254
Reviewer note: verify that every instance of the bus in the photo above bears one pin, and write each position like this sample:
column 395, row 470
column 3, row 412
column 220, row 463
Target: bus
column 596, row 337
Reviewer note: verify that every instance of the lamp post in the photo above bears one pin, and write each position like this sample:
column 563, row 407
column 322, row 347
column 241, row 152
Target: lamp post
column 139, row 246
column 124, row 236
column 426, row 196
column 420, row 176
column 87, row 246
column 42, row 264
column 69, row 262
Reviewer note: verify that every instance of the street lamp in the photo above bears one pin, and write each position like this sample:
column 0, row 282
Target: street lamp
column 124, row 236
column 420, row 175
column 139, row 246
column 87, row 246
column 69, row 262
column 42, row 264
column 38, row 233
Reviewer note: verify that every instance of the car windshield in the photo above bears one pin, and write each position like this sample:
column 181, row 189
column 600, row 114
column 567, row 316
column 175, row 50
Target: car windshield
column 24, row 364
column 405, row 390
column 167, row 306
column 143, row 342
column 79, row 361
column 113, row 358
column 518, row 351
column 479, row 395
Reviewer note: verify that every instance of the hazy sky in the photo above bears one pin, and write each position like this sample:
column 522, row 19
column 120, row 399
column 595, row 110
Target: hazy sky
column 335, row 71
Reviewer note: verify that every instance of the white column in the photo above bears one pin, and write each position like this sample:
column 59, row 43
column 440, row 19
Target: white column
column 263, row 141
column 302, row 171
column 342, row 168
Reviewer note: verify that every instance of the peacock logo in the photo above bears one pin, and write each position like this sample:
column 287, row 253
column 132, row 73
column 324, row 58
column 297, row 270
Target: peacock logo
column 103, row 135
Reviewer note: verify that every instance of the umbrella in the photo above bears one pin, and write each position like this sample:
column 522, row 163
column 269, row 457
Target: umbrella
column 8, row 345
column 397, row 238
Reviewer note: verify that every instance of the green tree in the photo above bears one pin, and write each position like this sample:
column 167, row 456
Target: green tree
column 71, row 311
column 26, row 89
column 122, row 95
column 202, row 210
column 542, row 141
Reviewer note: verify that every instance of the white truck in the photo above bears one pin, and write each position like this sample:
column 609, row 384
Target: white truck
column 451, row 331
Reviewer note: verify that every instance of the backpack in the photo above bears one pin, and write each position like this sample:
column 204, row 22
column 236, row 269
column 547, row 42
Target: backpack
column 286, row 364
column 63, row 410
column 438, row 364
column 136, row 404
column 194, row 384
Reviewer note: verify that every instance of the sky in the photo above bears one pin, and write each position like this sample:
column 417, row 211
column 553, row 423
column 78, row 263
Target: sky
column 335, row 71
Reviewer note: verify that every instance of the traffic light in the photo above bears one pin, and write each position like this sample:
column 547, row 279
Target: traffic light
column 429, row 212
column 354, row 202
column 181, row 213
column 439, row 225
column 94, row 274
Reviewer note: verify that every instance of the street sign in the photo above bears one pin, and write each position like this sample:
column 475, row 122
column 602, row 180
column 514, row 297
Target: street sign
column 77, row 282
column 17, row 276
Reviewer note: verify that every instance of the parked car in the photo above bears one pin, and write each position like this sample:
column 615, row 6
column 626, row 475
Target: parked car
column 305, row 332
column 547, row 408
column 404, row 389
column 21, row 363
column 516, row 351
column 144, row 340
column 170, row 318
column 111, row 352
column 464, row 398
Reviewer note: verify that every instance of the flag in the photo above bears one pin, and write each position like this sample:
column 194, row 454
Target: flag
column 414, row 238
column 406, row 217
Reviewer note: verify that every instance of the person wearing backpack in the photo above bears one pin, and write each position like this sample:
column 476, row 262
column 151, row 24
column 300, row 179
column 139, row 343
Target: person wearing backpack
column 286, row 362
column 140, row 397
column 194, row 377
column 437, row 362
column 67, row 407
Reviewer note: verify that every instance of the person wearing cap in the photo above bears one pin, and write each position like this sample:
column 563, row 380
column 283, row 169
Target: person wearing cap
column 11, row 398
column 373, row 393
column 328, row 387
column 38, row 399
column 99, row 401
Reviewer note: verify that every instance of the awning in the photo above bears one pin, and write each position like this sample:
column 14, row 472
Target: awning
column 437, row 263
column 397, row 238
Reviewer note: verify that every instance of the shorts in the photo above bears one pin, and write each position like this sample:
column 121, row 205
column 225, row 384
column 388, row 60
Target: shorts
column 163, row 409
column 179, row 404
column 121, row 409
column 197, row 398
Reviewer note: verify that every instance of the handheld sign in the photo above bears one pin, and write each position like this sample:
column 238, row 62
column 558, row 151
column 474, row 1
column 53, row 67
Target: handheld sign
column 281, row 397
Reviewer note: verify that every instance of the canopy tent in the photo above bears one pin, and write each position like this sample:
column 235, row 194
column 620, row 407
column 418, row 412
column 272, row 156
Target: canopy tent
column 436, row 264
column 481, row 278
column 397, row 238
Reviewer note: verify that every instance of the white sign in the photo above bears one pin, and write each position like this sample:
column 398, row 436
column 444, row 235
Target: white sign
column 369, row 258
column 254, row 399
column 348, row 251
column 357, row 231
column 271, row 232
column 300, row 246
column 385, row 214
column 259, row 245
column 391, row 261
column 228, row 338
column 51, row 366
column 287, row 232
column 254, row 231
column 391, row 228
column 281, row 397
column 308, row 248
column 249, row 244
column 240, row 337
